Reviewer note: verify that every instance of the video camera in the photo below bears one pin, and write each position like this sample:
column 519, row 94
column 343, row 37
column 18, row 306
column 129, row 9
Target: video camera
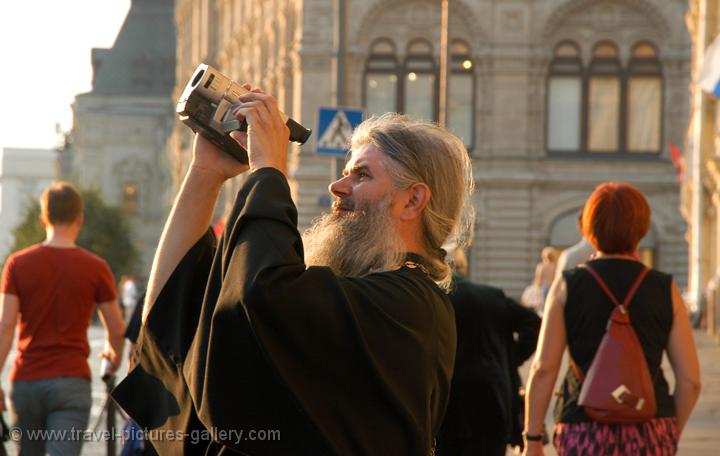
column 206, row 104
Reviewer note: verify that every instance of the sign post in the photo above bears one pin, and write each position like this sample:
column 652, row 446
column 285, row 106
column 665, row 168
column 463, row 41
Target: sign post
column 335, row 128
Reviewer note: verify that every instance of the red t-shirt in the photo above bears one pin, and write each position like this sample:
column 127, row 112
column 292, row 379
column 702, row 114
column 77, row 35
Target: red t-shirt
column 58, row 289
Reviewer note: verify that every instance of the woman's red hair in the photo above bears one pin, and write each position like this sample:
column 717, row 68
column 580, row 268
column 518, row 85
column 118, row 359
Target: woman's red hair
column 615, row 218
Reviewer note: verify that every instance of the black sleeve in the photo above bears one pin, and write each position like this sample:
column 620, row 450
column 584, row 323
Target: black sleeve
column 133, row 327
column 525, row 325
column 154, row 393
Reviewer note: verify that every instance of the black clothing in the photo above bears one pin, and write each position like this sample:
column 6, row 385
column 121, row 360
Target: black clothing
column 495, row 336
column 136, row 445
column 132, row 331
column 486, row 443
column 337, row 365
column 587, row 310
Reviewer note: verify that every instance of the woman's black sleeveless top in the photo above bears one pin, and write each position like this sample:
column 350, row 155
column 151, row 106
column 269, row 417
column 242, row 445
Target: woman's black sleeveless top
column 587, row 310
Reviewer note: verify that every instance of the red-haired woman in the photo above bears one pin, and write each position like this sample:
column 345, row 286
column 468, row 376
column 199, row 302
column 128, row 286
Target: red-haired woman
column 615, row 218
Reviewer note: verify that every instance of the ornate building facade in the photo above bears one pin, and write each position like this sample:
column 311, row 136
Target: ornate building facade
column 120, row 129
column 552, row 97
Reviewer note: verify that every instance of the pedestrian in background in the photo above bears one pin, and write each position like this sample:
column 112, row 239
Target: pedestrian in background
column 576, row 254
column 495, row 335
column 129, row 294
column 534, row 295
column 615, row 218
column 50, row 291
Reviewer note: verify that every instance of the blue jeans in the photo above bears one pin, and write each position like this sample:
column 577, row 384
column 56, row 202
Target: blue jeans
column 58, row 405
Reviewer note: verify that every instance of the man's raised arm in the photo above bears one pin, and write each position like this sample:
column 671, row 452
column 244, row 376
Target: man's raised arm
column 191, row 213
column 266, row 141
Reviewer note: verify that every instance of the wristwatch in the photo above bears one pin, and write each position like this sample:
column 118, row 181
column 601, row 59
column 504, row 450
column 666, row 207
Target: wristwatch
column 532, row 437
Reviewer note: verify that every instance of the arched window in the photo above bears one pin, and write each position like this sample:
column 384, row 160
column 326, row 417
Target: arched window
column 603, row 107
column 604, row 99
column 381, row 80
column 130, row 193
column 461, row 96
column 419, row 80
column 565, row 99
column 410, row 85
column 644, row 100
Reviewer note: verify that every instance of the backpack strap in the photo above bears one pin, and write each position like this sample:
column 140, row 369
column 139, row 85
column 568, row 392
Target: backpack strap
column 622, row 307
column 603, row 285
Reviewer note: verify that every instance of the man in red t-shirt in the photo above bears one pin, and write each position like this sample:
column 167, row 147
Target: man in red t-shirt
column 49, row 291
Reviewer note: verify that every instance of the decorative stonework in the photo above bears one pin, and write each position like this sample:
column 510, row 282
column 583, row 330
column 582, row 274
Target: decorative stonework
column 396, row 19
column 607, row 16
column 511, row 22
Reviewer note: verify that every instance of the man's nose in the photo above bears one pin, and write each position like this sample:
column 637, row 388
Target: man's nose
column 340, row 188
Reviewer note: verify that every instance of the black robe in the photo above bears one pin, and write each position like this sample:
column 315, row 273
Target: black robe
column 244, row 337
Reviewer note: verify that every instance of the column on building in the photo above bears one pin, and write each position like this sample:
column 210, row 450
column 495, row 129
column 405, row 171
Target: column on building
column 705, row 123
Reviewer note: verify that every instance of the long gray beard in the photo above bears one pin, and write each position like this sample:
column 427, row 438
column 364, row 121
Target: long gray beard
column 355, row 244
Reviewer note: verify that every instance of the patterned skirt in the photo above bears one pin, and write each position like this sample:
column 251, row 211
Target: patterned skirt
column 657, row 437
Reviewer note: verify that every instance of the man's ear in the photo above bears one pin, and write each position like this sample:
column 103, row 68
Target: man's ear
column 81, row 219
column 418, row 196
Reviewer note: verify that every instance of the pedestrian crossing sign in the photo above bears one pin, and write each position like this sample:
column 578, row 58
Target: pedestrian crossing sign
column 335, row 128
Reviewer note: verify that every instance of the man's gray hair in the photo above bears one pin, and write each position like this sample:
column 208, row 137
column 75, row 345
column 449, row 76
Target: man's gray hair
column 420, row 151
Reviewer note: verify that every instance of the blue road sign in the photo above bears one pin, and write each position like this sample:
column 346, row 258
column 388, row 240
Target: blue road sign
column 335, row 128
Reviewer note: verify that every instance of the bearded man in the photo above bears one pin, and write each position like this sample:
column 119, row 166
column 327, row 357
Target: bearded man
column 255, row 347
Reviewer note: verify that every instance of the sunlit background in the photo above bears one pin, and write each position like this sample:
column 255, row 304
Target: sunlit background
column 45, row 53
column 550, row 98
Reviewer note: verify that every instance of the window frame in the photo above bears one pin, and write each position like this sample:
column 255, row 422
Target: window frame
column 580, row 73
column 586, row 72
column 373, row 58
column 656, row 73
column 130, row 202
column 456, row 58
column 616, row 73
column 402, row 66
column 405, row 70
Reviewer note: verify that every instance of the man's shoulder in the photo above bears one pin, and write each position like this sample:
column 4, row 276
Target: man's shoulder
column 404, row 278
column 26, row 254
column 76, row 256
column 406, row 296
column 89, row 256
column 402, row 288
